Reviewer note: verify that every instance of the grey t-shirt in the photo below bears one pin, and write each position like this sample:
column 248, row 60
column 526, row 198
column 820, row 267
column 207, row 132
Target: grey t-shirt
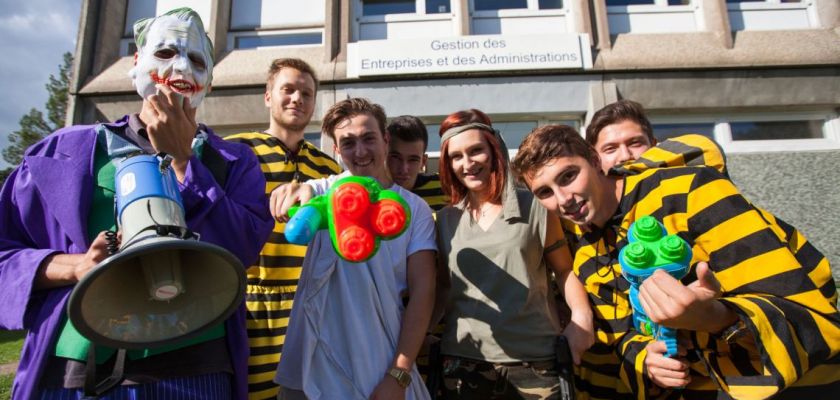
column 500, row 307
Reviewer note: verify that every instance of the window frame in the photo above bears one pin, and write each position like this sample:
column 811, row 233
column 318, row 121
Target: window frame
column 513, row 148
column 532, row 9
column 280, row 29
column 659, row 9
column 723, row 134
column 775, row 5
column 270, row 31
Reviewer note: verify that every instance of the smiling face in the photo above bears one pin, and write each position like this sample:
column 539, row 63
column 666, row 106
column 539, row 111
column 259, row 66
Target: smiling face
column 621, row 142
column 362, row 147
column 291, row 99
column 471, row 160
column 406, row 160
column 174, row 54
column 575, row 189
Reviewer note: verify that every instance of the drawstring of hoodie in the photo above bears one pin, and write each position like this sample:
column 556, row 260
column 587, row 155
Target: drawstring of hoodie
column 610, row 253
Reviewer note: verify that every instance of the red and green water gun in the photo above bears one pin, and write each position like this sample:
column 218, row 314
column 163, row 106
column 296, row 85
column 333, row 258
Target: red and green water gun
column 358, row 213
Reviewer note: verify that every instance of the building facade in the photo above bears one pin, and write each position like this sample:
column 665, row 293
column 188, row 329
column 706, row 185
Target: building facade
column 762, row 77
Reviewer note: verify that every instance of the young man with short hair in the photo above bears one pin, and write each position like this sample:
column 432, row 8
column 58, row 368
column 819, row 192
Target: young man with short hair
column 620, row 132
column 407, row 160
column 350, row 337
column 758, row 319
column 285, row 157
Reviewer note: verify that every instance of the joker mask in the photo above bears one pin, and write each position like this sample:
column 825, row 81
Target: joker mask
column 173, row 50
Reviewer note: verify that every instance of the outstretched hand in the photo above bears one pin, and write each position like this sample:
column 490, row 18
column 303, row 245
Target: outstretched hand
column 285, row 196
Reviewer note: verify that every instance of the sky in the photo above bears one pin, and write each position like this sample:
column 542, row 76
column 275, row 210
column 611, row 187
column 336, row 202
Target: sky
column 33, row 36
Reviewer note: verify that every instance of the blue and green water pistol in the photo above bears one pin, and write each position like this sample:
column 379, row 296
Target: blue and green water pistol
column 651, row 248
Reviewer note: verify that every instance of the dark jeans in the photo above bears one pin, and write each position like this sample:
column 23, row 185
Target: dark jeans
column 473, row 379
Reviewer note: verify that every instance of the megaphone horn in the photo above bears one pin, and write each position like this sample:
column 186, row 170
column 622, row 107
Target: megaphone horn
column 163, row 286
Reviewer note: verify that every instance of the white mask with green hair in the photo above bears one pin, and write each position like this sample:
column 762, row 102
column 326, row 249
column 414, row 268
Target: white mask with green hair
column 173, row 50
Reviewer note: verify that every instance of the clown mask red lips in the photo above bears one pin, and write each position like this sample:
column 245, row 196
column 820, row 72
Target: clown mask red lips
column 180, row 86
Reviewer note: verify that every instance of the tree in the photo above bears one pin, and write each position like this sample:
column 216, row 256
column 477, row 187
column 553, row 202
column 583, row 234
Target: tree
column 33, row 126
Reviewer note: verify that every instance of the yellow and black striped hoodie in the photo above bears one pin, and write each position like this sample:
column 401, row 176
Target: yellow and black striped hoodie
column 786, row 297
column 272, row 282
column 428, row 187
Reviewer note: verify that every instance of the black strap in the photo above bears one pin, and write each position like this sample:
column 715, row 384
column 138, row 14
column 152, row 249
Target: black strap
column 213, row 160
column 94, row 390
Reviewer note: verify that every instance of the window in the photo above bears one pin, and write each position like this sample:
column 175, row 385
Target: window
column 652, row 16
column 758, row 132
column 494, row 5
column 519, row 17
column 401, row 19
column 280, row 39
column 759, row 15
column 665, row 131
column 776, row 130
column 513, row 132
column 138, row 9
column 266, row 23
column 485, row 5
column 383, row 7
column 643, row 2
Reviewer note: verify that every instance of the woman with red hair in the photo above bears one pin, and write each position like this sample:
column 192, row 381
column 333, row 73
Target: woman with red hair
column 497, row 246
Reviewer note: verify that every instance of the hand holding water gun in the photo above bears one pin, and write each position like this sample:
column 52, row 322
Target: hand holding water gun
column 358, row 213
column 650, row 248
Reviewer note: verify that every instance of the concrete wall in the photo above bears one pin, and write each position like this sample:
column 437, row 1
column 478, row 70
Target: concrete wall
column 802, row 188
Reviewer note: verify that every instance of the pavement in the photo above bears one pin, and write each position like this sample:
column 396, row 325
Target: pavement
column 9, row 368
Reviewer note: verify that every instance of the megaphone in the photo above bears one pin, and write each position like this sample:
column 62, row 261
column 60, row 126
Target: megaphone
column 163, row 286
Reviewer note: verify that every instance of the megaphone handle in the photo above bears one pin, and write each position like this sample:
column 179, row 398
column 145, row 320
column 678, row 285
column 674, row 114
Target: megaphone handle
column 94, row 390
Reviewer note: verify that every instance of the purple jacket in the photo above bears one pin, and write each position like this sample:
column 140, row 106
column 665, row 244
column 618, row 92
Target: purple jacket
column 44, row 207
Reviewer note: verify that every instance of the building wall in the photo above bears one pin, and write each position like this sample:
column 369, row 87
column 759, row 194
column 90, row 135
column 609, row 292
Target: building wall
column 800, row 188
column 705, row 61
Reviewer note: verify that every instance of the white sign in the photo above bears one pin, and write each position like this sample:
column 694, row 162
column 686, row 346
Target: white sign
column 467, row 54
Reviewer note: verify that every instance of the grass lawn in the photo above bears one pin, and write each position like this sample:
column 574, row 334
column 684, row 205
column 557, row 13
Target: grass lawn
column 10, row 344
column 6, row 386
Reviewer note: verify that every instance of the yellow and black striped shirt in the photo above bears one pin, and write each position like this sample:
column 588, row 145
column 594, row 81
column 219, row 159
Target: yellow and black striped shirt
column 787, row 299
column 273, row 281
column 428, row 187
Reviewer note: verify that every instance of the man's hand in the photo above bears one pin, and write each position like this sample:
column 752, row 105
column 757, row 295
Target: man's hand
column 170, row 122
column 67, row 269
column 580, row 333
column 664, row 371
column 388, row 389
column 694, row 307
column 285, row 196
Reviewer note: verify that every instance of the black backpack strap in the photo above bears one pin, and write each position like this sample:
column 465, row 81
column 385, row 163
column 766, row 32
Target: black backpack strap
column 213, row 160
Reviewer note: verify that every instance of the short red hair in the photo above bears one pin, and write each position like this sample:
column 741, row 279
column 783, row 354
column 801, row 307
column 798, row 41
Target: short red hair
column 450, row 184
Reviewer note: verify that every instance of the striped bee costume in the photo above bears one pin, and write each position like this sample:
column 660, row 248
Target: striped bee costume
column 273, row 281
column 428, row 187
column 778, row 284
